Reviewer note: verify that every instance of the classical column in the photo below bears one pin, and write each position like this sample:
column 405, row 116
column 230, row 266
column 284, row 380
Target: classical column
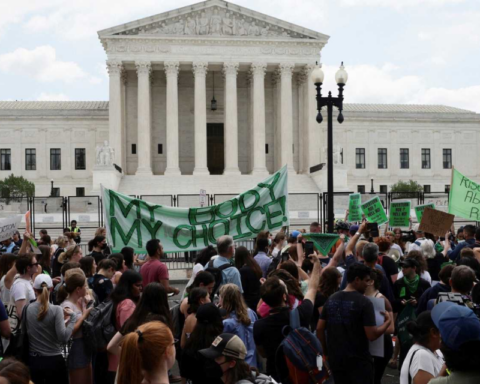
column 115, row 110
column 286, row 120
column 276, row 84
column 200, row 71
column 171, row 70
column 258, row 134
column 231, row 119
column 144, row 144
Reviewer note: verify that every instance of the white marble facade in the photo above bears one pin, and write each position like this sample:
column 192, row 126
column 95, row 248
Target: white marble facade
column 162, row 70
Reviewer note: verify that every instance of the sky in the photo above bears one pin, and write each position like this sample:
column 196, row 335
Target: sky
column 395, row 51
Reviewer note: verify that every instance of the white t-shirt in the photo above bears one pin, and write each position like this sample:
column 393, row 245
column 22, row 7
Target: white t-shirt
column 22, row 290
column 4, row 292
column 425, row 276
column 424, row 360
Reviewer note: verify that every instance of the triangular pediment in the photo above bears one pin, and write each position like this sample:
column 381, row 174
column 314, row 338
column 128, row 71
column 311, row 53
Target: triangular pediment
column 213, row 18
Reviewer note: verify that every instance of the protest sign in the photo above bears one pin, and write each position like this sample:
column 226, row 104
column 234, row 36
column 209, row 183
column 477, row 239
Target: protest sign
column 132, row 222
column 374, row 212
column 464, row 199
column 9, row 226
column 354, row 210
column 27, row 222
column 420, row 208
column 322, row 241
column 436, row 222
column 399, row 214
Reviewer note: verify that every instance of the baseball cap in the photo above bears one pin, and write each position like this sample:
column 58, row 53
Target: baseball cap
column 42, row 278
column 409, row 263
column 228, row 345
column 457, row 324
column 354, row 229
column 295, row 234
column 208, row 313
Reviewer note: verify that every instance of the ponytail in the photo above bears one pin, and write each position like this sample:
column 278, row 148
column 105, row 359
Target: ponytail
column 44, row 295
column 130, row 373
column 67, row 255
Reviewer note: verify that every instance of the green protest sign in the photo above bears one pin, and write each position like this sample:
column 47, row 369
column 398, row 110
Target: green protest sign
column 464, row 199
column 132, row 222
column 419, row 209
column 399, row 214
column 354, row 210
column 323, row 241
column 374, row 212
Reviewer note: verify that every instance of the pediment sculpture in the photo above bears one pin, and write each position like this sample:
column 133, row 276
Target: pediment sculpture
column 215, row 21
column 105, row 155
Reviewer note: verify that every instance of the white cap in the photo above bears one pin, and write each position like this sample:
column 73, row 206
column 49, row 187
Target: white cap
column 42, row 278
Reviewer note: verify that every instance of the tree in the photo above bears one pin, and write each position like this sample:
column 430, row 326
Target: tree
column 403, row 187
column 15, row 188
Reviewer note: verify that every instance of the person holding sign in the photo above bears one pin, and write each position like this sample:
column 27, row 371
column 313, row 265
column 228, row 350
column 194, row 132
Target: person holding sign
column 420, row 238
column 469, row 235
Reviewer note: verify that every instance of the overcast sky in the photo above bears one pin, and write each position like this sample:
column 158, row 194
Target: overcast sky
column 396, row 51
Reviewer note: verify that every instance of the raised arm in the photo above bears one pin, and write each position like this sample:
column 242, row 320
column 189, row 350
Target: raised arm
column 353, row 241
column 314, row 280
column 335, row 260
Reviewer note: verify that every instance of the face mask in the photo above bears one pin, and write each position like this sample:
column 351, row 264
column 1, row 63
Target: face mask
column 104, row 246
column 213, row 370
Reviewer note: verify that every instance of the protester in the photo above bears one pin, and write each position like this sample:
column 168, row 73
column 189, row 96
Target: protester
column 250, row 275
column 47, row 333
column 72, row 296
column 194, row 366
column 469, row 235
column 196, row 298
column 201, row 261
column 462, row 280
column 432, row 292
column 280, row 242
column 8, row 246
column 345, row 338
column 204, row 280
column 422, row 362
column 239, row 319
column 154, row 270
column 5, row 329
column 419, row 239
column 395, row 249
column 129, row 257
column 398, row 239
column 101, row 283
column 17, row 239
column 14, row 372
column 96, row 247
column 385, row 261
column 89, row 267
column 435, row 259
column 421, row 261
column 21, row 291
column 226, row 251
column 72, row 253
column 119, row 267
column 261, row 257
column 7, row 261
column 65, row 267
column 60, row 244
column 329, row 284
column 147, row 355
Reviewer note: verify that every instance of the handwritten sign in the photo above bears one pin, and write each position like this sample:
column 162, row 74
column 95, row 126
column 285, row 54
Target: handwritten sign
column 464, row 198
column 9, row 226
column 399, row 214
column 436, row 222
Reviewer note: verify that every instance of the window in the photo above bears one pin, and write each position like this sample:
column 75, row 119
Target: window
column 80, row 192
column 134, row 149
column 360, row 158
column 382, row 158
column 30, row 159
column 55, row 192
column 55, row 159
column 266, row 149
column 6, row 160
column 383, row 188
column 426, row 188
column 447, row 159
column 360, row 188
column 160, row 149
column 80, row 159
column 426, row 158
column 404, row 158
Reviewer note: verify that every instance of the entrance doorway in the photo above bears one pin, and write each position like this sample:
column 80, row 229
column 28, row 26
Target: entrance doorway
column 215, row 149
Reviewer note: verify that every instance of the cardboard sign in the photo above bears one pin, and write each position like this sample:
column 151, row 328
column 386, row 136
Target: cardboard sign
column 436, row 222
column 9, row 226
column 420, row 208
column 399, row 214
column 354, row 209
column 374, row 212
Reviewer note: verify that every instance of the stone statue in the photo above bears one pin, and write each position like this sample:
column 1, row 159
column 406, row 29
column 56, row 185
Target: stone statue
column 203, row 24
column 105, row 155
column 253, row 30
column 240, row 29
column 179, row 27
column 190, row 27
column 228, row 24
column 215, row 23
column 337, row 154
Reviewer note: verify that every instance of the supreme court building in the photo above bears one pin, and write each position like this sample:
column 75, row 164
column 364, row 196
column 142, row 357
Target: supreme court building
column 215, row 96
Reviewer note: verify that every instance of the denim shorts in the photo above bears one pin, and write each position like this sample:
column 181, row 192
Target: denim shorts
column 79, row 356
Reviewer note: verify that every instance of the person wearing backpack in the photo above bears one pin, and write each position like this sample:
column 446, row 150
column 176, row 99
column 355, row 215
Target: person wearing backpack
column 101, row 283
column 221, row 267
column 268, row 331
column 226, row 361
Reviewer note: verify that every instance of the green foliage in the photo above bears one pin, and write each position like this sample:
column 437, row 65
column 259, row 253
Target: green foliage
column 403, row 187
column 15, row 188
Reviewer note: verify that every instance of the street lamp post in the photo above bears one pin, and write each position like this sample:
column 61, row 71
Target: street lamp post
column 341, row 78
column 372, row 190
column 51, row 188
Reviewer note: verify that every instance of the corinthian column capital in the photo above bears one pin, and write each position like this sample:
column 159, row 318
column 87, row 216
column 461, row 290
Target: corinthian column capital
column 200, row 68
column 114, row 67
column 143, row 67
column 171, row 67
column 259, row 69
column 286, row 69
column 230, row 68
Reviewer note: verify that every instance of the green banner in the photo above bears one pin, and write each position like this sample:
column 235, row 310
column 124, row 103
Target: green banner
column 374, row 212
column 464, row 200
column 323, row 241
column 420, row 208
column 354, row 210
column 132, row 222
column 399, row 214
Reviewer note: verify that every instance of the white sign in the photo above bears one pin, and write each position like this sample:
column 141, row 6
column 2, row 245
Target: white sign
column 8, row 226
column 203, row 197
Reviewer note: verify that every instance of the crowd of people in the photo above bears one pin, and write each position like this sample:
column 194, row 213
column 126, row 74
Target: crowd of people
column 410, row 302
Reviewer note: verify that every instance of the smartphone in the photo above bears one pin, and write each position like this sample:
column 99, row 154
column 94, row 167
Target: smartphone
column 373, row 229
column 285, row 256
column 309, row 249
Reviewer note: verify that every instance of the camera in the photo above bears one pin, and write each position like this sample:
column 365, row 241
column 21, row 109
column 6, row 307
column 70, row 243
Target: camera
column 459, row 299
column 408, row 236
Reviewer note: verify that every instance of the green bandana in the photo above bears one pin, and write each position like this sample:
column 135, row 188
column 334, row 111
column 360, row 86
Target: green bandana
column 438, row 247
column 412, row 285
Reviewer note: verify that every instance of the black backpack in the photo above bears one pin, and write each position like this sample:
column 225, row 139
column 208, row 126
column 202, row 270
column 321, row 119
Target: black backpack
column 97, row 328
column 217, row 274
